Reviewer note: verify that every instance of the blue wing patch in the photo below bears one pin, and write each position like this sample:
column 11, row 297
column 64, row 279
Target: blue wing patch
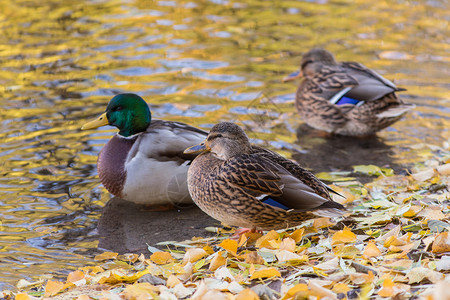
column 347, row 100
column 275, row 203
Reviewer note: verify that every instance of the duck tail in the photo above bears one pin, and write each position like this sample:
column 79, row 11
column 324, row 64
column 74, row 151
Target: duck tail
column 396, row 111
column 329, row 212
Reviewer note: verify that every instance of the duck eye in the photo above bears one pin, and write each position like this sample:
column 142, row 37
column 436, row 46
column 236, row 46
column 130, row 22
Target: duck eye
column 219, row 135
column 117, row 108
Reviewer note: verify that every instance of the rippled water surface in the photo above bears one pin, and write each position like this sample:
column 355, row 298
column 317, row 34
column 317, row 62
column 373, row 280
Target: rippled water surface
column 193, row 61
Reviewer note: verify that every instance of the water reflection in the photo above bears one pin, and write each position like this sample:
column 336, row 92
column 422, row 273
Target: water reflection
column 329, row 153
column 197, row 62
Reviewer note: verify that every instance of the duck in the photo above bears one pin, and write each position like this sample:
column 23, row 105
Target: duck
column 243, row 185
column 144, row 162
column 345, row 98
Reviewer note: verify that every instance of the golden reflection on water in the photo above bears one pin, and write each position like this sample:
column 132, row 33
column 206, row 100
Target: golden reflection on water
column 193, row 61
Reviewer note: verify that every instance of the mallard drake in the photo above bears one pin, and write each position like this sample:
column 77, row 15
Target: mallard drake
column 144, row 162
column 248, row 186
column 345, row 98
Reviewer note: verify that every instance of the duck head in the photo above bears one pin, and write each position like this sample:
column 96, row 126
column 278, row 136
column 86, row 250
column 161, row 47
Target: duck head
column 225, row 140
column 128, row 112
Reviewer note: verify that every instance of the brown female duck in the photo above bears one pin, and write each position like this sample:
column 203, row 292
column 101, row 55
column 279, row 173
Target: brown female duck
column 144, row 162
column 243, row 185
column 345, row 98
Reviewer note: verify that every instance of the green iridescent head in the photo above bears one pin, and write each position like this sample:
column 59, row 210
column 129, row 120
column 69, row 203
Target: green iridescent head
column 128, row 112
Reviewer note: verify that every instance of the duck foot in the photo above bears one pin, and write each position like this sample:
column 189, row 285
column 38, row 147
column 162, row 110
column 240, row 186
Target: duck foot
column 239, row 232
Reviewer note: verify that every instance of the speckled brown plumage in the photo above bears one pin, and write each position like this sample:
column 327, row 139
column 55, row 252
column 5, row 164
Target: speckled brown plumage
column 231, row 181
column 377, row 105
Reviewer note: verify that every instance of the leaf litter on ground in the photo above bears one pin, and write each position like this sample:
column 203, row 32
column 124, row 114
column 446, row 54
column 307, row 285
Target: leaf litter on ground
column 395, row 243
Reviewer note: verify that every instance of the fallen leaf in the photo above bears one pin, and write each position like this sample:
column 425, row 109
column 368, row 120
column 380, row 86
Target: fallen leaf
column 264, row 241
column 230, row 246
column 288, row 244
column 343, row 236
column 441, row 243
column 193, row 254
column 83, row 297
column 76, row 277
column 52, row 288
column 265, row 273
column 253, row 257
column 300, row 290
column 106, row 256
column 247, row 294
column 172, row 281
column 284, row 255
column 387, row 289
column 322, row 223
column 161, row 258
column 418, row 274
column 22, row 296
column 217, row 261
column 142, row 290
column 340, row 288
column 297, row 235
column 371, row 250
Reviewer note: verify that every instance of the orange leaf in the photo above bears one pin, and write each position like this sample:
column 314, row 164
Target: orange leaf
column 172, row 281
column 247, row 294
column 387, row 289
column 264, row 241
column 161, row 258
column 83, row 297
column 229, row 245
column 217, row 261
column 371, row 250
column 22, row 296
column 297, row 235
column 343, row 236
column 53, row 287
column 441, row 243
column 106, row 255
column 300, row 288
column 266, row 273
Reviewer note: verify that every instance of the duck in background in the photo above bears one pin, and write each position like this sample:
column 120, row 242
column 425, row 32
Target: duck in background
column 144, row 162
column 345, row 98
column 248, row 186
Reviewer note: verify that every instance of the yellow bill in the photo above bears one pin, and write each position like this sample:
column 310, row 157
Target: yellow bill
column 102, row 120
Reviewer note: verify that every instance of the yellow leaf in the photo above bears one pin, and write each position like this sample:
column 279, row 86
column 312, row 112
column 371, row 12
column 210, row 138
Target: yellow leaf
column 121, row 276
column 217, row 261
column 247, row 294
column 387, row 289
column 253, row 258
column 322, row 223
column 297, row 235
column 143, row 290
column 300, row 289
column 412, row 212
column 371, row 250
column 441, row 243
column 52, row 288
column 229, row 245
column 266, row 273
column 208, row 249
column 194, row 254
column 340, row 287
column 106, row 255
column 161, row 258
column 22, row 296
column 343, row 236
column 288, row 244
column 263, row 242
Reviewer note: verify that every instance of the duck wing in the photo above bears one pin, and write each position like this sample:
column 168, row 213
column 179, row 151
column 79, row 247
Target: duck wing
column 270, row 183
column 166, row 141
column 371, row 85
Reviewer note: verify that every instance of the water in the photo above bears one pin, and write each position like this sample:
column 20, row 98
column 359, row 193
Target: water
column 193, row 61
